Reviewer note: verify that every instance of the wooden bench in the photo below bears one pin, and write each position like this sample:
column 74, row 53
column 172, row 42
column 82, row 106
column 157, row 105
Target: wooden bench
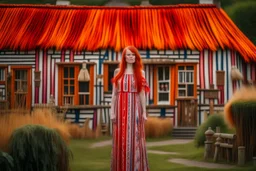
column 225, row 147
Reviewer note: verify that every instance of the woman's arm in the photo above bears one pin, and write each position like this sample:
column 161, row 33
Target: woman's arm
column 113, row 100
column 143, row 101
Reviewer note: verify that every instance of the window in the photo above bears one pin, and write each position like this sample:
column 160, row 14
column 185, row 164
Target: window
column 72, row 91
column 163, row 75
column 68, row 81
column 21, row 87
column 109, row 68
column 2, row 74
column 84, row 93
column 3, row 85
column 186, row 81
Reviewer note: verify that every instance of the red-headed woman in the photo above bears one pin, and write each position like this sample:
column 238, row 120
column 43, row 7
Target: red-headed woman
column 128, row 114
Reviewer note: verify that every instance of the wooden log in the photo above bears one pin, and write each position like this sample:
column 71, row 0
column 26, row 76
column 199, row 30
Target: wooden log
column 208, row 143
column 85, row 106
column 205, row 116
column 254, row 161
column 217, row 149
column 241, row 155
column 226, row 145
column 217, row 129
column 211, row 106
column 226, row 136
column 228, row 154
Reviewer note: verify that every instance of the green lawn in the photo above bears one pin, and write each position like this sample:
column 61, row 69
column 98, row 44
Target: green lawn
column 98, row 159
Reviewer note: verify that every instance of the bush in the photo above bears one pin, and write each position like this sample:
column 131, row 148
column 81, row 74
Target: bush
column 158, row 127
column 37, row 148
column 6, row 161
column 215, row 120
column 242, row 95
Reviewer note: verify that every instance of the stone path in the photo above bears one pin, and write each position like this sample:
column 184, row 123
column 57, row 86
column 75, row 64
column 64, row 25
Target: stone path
column 101, row 144
column 201, row 164
column 168, row 142
column 161, row 152
column 173, row 160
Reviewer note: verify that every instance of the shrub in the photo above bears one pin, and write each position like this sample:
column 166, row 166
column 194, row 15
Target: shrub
column 6, row 161
column 158, row 127
column 243, row 94
column 215, row 120
column 37, row 148
column 75, row 131
column 84, row 132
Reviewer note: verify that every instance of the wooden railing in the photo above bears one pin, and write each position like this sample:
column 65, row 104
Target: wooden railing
column 220, row 146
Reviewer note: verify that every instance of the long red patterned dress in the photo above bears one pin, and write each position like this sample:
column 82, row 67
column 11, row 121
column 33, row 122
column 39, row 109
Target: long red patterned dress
column 129, row 147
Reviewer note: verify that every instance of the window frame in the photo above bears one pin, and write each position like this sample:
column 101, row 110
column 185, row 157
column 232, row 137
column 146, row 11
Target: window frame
column 77, row 66
column 107, row 78
column 29, row 84
column 4, row 82
column 186, row 83
column 164, row 80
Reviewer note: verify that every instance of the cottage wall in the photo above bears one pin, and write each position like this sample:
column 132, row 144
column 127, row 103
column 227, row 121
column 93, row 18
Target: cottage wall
column 207, row 64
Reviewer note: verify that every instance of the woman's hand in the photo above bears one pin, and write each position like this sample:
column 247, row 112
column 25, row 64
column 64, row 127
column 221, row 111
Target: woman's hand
column 144, row 115
column 113, row 118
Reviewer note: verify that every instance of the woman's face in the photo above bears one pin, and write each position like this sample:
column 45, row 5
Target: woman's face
column 130, row 57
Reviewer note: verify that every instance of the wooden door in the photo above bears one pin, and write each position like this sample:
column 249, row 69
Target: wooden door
column 21, row 87
column 187, row 112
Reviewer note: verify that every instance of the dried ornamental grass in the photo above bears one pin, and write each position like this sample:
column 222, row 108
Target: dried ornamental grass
column 244, row 94
column 240, row 112
column 158, row 127
column 84, row 132
column 11, row 121
column 87, row 132
column 75, row 131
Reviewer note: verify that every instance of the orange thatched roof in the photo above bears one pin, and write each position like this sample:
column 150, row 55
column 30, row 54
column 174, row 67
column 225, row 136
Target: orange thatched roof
column 27, row 27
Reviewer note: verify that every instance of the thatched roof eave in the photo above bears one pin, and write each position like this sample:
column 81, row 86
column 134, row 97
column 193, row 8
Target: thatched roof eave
column 195, row 27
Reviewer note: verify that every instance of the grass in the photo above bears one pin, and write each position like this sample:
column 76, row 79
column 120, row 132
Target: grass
column 98, row 159
column 85, row 158
column 188, row 151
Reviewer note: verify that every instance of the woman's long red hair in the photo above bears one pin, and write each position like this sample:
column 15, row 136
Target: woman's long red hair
column 137, row 67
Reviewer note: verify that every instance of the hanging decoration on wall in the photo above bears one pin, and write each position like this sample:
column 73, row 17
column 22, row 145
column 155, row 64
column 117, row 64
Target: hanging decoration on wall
column 236, row 74
column 84, row 74
column 37, row 79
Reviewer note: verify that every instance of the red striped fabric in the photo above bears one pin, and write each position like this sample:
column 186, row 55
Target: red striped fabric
column 129, row 148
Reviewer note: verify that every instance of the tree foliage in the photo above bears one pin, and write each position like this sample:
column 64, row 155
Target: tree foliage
column 243, row 15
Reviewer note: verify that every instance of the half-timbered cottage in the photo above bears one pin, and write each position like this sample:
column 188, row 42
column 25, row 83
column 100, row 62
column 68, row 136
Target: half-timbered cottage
column 188, row 52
